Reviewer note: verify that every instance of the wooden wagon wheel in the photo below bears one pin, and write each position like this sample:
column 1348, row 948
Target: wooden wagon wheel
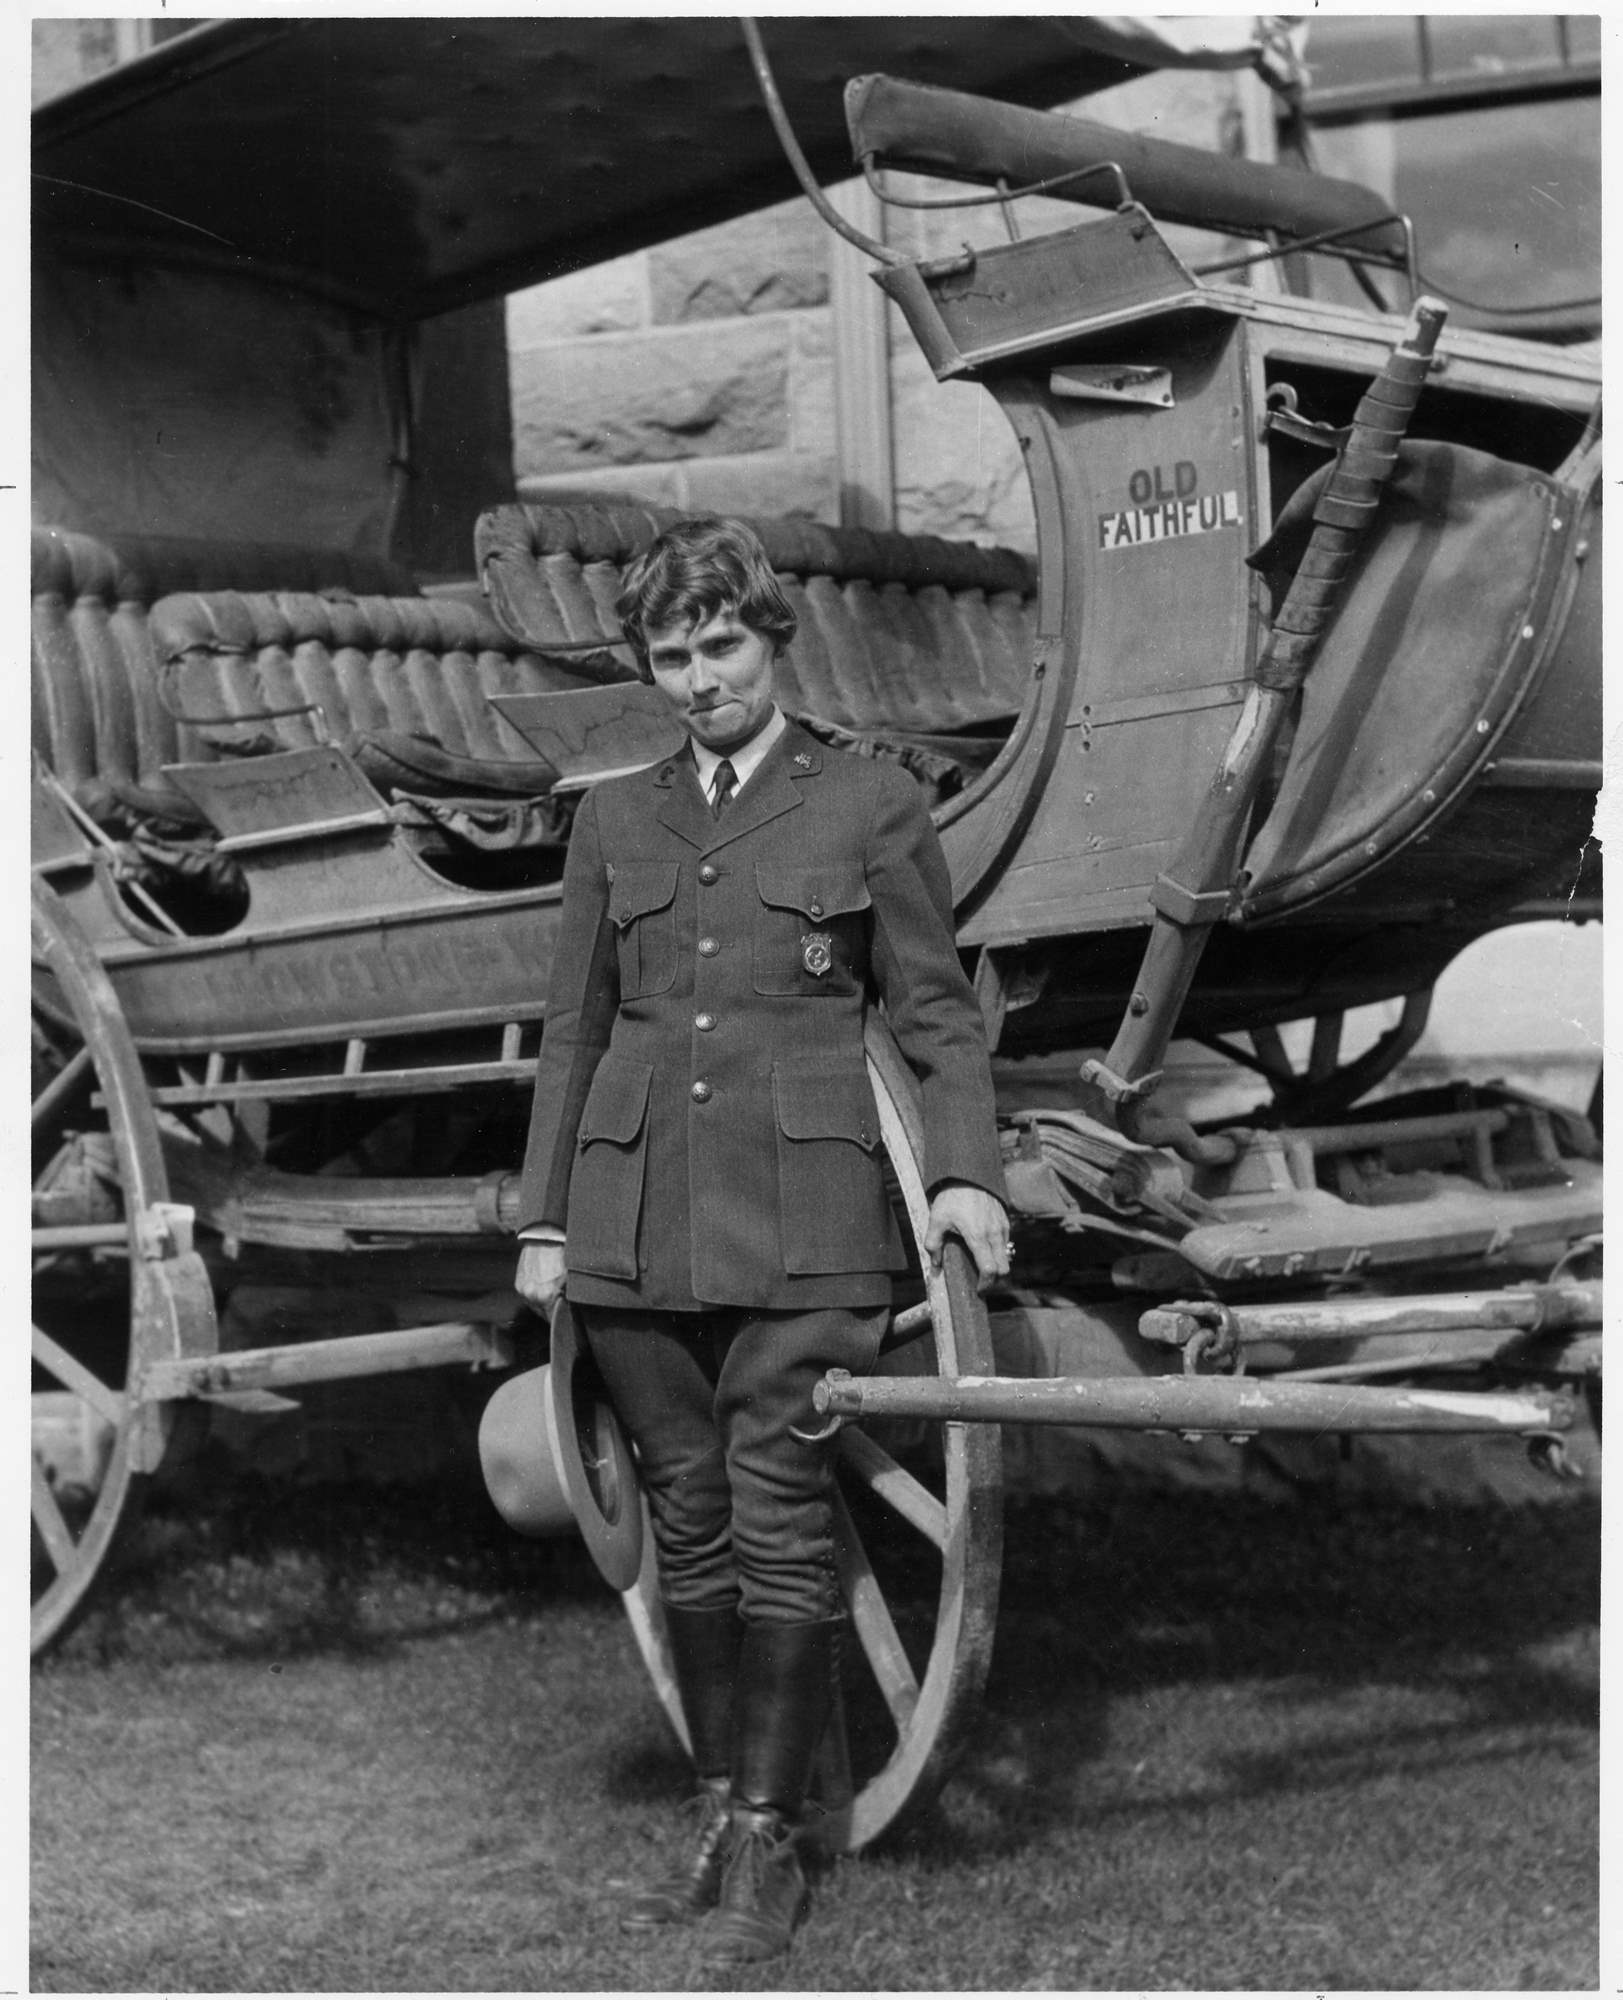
column 1325, row 1086
column 921, row 1549
column 113, row 1288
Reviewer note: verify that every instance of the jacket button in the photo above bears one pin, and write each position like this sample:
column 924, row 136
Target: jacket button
column 709, row 872
column 704, row 1022
column 701, row 1092
column 815, row 909
column 708, row 947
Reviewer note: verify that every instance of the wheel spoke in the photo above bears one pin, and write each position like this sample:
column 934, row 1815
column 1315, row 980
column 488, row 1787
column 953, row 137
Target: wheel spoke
column 90, row 1474
column 893, row 1484
column 61, row 1086
column 911, row 1320
column 876, row 1629
column 1272, row 1054
column 48, row 1518
column 105, row 1400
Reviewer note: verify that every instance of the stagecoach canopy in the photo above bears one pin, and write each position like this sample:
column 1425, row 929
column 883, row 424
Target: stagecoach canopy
column 409, row 165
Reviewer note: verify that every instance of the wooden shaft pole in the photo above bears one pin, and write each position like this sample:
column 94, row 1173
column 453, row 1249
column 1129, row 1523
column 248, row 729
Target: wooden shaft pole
column 79, row 1235
column 1544, row 1308
column 1224, row 1403
column 390, row 1353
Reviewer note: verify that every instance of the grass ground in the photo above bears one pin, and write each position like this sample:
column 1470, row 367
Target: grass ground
column 353, row 1740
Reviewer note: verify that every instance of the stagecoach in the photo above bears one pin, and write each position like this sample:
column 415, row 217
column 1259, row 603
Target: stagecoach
column 1301, row 697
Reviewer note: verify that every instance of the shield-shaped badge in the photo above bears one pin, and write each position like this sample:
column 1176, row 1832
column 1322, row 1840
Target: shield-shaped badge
column 817, row 952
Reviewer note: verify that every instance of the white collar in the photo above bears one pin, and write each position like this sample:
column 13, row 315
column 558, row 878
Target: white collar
column 745, row 761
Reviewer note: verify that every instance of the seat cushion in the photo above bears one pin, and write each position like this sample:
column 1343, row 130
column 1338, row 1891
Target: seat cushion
column 97, row 719
column 899, row 632
column 402, row 682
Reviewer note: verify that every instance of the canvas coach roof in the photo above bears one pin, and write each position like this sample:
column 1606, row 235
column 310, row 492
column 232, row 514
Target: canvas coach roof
column 409, row 165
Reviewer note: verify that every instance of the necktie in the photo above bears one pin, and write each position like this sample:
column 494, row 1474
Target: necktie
column 726, row 783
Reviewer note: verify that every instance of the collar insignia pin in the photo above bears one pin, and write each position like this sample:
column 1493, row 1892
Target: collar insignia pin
column 802, row 760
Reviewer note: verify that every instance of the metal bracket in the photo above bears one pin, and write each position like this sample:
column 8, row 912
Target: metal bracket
column 487, row 1202
column 1303, row 430
column 1550, row 1454
column 836, row 1423
column 1190, row 908
column 1114, row 1089
column 1091, row 382
column 165, row 1230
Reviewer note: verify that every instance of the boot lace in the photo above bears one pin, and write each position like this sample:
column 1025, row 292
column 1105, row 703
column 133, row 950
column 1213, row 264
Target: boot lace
column 705, row 1816
column 756, row 1849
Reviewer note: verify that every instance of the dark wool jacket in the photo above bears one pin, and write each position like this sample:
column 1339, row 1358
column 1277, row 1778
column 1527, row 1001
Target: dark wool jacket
column 704, row 1130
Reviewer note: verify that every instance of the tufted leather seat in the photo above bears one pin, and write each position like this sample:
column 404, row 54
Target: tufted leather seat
column 909, row 645
column 402, row 682
column 98, row 721
column 898, row 633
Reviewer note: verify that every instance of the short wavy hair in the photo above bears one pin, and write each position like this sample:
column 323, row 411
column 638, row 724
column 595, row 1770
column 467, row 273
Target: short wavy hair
column 696, row 569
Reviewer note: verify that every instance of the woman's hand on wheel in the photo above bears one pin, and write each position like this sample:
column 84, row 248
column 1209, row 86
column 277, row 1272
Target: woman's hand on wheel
column 539, row 1280
column 960, row 1209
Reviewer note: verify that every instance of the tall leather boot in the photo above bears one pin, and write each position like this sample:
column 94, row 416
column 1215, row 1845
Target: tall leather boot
column 704, row 1653
column 785, row 1687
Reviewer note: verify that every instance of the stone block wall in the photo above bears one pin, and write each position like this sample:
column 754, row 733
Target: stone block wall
column 695, row 374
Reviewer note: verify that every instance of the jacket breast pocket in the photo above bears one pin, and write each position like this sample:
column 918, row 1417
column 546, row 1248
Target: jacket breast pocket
column 834, row 1214
column 642, row 897
column 606, row 1187
column 811, row 929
